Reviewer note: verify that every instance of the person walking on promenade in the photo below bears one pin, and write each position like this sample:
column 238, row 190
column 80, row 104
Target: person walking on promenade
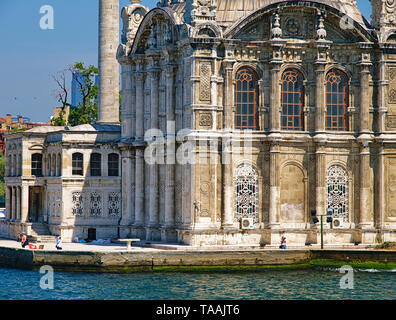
column 59, row 243
column 283, row 243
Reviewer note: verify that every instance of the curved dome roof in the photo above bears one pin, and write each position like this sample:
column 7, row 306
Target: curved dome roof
column 229, row 11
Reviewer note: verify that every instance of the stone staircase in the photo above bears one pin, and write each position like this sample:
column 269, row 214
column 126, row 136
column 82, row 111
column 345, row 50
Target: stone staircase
column 41, row 234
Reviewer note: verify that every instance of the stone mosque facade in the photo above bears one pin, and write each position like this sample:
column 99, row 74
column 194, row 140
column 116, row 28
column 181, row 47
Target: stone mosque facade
column 238, row 118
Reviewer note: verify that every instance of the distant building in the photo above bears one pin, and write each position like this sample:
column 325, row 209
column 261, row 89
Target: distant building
column 75, row 87
column 57, row 112
column 75, row 92
column 15, row 123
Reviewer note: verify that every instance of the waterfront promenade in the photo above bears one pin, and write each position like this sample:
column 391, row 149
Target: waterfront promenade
column 143, row 256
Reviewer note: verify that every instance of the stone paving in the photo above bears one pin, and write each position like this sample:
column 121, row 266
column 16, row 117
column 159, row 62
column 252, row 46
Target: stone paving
column 157, row 246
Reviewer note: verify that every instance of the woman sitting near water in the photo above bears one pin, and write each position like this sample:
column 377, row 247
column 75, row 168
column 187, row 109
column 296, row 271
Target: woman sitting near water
column 24, row 240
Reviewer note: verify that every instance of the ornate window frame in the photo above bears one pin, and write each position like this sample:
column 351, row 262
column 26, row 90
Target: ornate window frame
column 338, row 191
column 246, row 113
column 247, row 192
column 292, row 111
column 333, row 113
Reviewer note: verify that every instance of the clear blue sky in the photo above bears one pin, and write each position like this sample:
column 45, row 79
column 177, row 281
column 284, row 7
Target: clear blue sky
column 29, row 55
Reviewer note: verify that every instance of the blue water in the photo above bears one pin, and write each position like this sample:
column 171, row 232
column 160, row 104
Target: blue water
column 274, row 284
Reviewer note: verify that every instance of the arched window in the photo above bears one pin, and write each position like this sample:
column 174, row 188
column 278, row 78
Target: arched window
column 337, row 100
column 113, row 165
column 37, row 165
column 292, row 100
column 58, row 165
column 246, row 99
column 337, row 182
column 246, row 193
column 96, row 165
column 77, row 164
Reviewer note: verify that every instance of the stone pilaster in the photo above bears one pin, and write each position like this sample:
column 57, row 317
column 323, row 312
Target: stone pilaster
column 274, row 121
column 13, row 207
column 228, row 96
column 274, row 196
column 365, row 220
column 154, row 168
column 139, row 78
column 170, row 152
column 139, row 191
column 364, row 99
column 382, row 84
column 25, row 203
column 18, row 203
column 320, row 108
column 380, row 181
column 128, row 100
column 320, row 189
column 8, row 202
column 108, row 92
column 128, row 188
column 227, row 165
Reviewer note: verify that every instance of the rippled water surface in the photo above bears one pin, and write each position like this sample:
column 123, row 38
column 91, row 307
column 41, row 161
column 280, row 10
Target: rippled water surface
column 279, row 284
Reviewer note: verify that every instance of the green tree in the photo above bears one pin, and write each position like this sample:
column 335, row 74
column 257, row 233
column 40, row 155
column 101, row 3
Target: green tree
column 87, row 109
column 59, row 121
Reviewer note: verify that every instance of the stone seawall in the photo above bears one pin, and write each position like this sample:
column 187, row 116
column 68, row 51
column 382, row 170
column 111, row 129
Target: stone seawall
column 135, row 261
column 184, row 261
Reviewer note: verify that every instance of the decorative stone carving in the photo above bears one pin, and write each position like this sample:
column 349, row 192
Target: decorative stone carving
column 77, row 204
column 205, row 119
column 391, row 188
column 276, row 31
column 390, row 122
column 132, row 16
column 114, row 203
column 205, row 85
column 392, row 85
column 320, row 31
column 203, row 10
column 95, row 204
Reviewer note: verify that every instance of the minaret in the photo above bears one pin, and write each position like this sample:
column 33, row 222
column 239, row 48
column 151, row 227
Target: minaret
column 108, row 109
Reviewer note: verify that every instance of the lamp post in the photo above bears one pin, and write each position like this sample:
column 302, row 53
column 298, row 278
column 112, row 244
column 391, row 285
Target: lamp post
column 328, row 214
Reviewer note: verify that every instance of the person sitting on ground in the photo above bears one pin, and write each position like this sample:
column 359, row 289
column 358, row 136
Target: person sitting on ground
column 24, row 240
column 283, row 243
column 59, row 243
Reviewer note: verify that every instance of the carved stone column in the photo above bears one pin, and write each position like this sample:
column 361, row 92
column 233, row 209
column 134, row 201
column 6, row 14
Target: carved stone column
column 274, row 195
column 25, row 203
column 128, row 186
column 8, row 202
column 274, row 121
column 380, row 181
column 154, row 178
column 170, row 149
column 382, row 84
column 228, row 95
column 227, row 220
column 13, row 207
column 18, row 203
column 320, row 190
column 364, row 97
column 139, row 78
column 139, row 190
column 365, row 221
column 320, row 110
column 128, row 99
